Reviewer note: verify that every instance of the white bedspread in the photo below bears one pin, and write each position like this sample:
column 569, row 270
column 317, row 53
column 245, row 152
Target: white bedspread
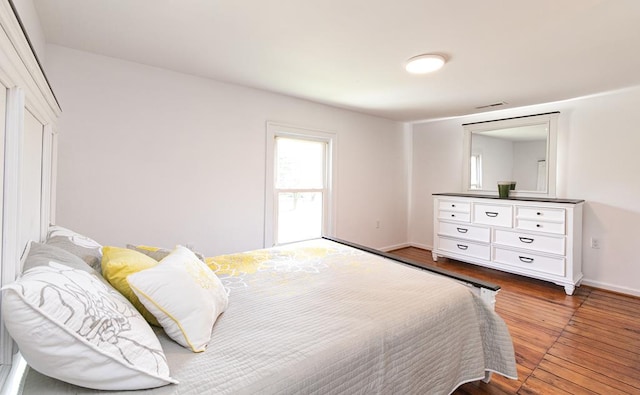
column 320, row 317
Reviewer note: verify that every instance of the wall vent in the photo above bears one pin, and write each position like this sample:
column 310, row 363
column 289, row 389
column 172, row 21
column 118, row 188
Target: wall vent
column 498, row 104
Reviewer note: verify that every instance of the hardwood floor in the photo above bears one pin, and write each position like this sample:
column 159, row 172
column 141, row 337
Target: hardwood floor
column 588, row 343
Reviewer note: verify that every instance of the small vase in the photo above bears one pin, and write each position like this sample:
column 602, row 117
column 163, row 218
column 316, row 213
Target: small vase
column 503, row 189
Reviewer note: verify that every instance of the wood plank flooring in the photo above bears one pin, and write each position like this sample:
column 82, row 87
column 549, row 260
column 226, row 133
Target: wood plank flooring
column 588, row 343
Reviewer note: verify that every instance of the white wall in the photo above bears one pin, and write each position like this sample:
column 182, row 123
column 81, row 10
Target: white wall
column 152, row 156
column 598, row 160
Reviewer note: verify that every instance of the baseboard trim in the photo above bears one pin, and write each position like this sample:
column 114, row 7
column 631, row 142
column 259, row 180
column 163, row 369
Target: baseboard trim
column 394, row 247
column 421, row 246
column 405, row 245
column 611, row 287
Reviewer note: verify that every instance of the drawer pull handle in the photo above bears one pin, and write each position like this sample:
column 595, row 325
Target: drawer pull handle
column 538, row 226
column 453, row 205
column 538, row 213
column 525, row 259
column 527, row 240
column 453, row 215
column 462, row 246
column 462, row 230
column 491, row 214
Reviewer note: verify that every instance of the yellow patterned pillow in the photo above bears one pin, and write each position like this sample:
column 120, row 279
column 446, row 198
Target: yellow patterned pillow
column 185, row 296
column 148, row 248
column 117, row 264
column 157, row 253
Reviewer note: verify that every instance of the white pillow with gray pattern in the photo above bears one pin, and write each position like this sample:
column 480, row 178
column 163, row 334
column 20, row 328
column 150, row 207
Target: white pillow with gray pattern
column 72, row 327
column 82, row 246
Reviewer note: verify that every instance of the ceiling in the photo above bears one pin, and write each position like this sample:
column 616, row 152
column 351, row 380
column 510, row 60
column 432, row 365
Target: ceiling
column 351, row 53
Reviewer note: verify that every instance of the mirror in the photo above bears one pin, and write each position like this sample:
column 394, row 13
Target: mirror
column 520, row 150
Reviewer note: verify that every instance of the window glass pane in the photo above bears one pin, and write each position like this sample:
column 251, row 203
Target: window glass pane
column 299, row 216
column 476, row 171
column 299, row 163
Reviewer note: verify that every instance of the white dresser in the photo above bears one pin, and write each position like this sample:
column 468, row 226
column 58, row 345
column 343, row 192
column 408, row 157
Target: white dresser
column 539, row 238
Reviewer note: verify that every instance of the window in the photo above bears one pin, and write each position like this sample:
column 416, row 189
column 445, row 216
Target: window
column 300, row 189
column 299, row 184
column 476, row 172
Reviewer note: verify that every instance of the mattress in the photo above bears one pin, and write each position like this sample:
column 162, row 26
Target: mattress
column 322, row 317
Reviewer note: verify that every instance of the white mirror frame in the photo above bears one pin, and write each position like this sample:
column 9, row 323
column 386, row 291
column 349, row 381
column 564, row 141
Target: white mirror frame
column 552, row 122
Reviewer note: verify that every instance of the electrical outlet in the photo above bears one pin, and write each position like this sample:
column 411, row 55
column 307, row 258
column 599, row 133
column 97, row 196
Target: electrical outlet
column 595, row 243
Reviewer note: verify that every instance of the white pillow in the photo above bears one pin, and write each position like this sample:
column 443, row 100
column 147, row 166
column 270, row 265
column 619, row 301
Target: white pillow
column 184, row 295
column 75, row 237
column 82, row 246
column 71, row 326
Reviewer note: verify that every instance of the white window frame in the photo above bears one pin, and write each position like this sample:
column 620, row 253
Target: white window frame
column 329, row 202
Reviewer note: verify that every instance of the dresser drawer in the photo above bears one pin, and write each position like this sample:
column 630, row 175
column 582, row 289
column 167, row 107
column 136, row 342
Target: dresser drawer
column 454, row 216
column 529, row 261
column 449, row 205
column 542, row 243
column 464, row 247
column 494, row 215
column 541, row 226
column 467, row 232
column 540, row 214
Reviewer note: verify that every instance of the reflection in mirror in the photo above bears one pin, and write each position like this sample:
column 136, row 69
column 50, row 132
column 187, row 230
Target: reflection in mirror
column 520, row 150
column 513, row 154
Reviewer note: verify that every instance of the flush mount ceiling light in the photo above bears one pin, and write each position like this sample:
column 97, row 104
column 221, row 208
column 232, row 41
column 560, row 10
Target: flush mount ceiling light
column 426, row 63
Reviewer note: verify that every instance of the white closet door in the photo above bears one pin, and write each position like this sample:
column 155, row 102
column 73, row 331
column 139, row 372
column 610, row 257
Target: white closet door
column 7, row 270
column 3, row 122
column 26, row 171
column 31, row 179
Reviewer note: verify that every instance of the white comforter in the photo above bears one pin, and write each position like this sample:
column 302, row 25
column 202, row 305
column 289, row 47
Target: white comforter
column 320, row 317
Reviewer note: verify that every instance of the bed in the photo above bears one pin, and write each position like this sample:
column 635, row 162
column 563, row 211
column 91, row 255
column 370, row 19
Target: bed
column 324, row 316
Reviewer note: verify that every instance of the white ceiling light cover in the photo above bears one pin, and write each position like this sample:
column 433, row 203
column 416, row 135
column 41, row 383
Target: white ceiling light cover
column 426, row 63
